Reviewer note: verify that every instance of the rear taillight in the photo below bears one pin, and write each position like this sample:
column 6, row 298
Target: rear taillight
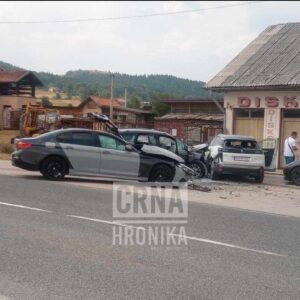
column 20, row 145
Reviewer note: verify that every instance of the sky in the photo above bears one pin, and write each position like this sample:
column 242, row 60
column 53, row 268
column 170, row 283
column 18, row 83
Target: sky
column 194, row 45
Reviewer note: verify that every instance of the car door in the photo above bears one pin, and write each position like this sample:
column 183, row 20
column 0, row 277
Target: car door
column 167, row 143
column 182, row 149
column 115, row 160
column 270, row 149
column 81, row 150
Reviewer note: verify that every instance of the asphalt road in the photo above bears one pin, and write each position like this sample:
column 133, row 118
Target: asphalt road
column 45, row 253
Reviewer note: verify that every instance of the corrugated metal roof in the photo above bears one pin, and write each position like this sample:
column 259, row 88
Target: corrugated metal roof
column 193, row 100
column 271, row 60
column 183, row 116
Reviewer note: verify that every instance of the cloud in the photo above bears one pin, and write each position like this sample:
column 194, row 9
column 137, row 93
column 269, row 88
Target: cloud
column 193, row 45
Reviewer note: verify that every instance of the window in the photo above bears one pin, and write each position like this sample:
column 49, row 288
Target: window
column 249, row 113
column 180, row 145
column 65, row 137
column 144, row 139
column 109, row 142
column 84, row 139
column 240, row 144
column 129, row 137
column 167, row 143
column 148, row 139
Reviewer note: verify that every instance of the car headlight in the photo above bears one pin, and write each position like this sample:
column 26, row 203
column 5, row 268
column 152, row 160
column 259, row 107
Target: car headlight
column 186, row 169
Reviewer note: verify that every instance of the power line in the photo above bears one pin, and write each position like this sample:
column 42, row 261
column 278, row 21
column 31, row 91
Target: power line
column 129, row 17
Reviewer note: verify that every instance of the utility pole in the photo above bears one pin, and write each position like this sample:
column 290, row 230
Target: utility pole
column 111, row 94
column 125, row 96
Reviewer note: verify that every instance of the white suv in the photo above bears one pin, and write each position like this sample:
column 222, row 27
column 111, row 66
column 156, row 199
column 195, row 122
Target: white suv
column 236, row 155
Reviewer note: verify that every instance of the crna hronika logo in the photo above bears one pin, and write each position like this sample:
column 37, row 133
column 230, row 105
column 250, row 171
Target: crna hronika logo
column 150, row 214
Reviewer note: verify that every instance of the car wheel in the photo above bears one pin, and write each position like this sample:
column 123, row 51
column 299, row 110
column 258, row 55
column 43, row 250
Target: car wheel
column 213, row 175
column 199, row 168
column 295, row 176
column 54, row 168
column 259, row 178
column 161, row 173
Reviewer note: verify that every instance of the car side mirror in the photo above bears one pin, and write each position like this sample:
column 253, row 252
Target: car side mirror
column 128, row 147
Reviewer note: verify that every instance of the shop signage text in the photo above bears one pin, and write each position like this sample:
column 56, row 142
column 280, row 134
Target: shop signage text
column 269, row 101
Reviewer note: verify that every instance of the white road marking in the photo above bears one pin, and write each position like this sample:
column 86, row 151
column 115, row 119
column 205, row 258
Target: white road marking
column 228, row 245
column 25, row 207
column 104, row 221
column 184, row 236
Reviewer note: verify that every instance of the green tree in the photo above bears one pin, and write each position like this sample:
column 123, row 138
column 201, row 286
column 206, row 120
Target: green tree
column 83, row 92
column 46, row 102
column 70, row 91
column 134, row 102
column 158, row 107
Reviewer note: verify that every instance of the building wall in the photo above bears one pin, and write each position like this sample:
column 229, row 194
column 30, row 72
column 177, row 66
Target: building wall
column 70, row 111
column 274, row 103
column 195, row 108
column 168, row 125
column 15, row 102
column 90, row 107
column 191, row 131
column 271, row 101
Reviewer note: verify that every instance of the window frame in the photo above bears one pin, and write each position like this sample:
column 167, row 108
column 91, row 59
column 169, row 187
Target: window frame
column 112, row 137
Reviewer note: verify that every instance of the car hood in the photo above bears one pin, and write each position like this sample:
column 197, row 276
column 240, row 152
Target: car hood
column 157, row 151
column 199, row 146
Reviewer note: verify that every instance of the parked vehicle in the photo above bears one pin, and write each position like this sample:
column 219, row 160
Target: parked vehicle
column 193, row 157
column 291, row 172
column 93, row 153
column 235, row 155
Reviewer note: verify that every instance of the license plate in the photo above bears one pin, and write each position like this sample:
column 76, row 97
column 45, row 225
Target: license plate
column 241, row 158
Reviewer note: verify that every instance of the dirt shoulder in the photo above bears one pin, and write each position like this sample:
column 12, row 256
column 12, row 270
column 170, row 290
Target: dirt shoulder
column 282, row 200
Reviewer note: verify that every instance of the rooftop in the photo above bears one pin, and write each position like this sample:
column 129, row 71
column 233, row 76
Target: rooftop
column 194, row 100
column 271, row 60
column 16, row 76
column 185, row 116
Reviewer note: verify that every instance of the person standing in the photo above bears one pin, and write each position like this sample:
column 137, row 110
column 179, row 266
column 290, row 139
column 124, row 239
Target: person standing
column 290, row 147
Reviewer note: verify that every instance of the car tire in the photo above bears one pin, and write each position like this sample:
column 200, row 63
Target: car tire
column 259, row 178
column 54, row 168
column 199, row 168
column 295, row 176
column 161, row 173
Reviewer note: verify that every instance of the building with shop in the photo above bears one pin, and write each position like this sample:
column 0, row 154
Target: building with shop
column 193, row 120
column 261, row 87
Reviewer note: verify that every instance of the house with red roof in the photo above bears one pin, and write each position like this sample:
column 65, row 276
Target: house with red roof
column 123, row 117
